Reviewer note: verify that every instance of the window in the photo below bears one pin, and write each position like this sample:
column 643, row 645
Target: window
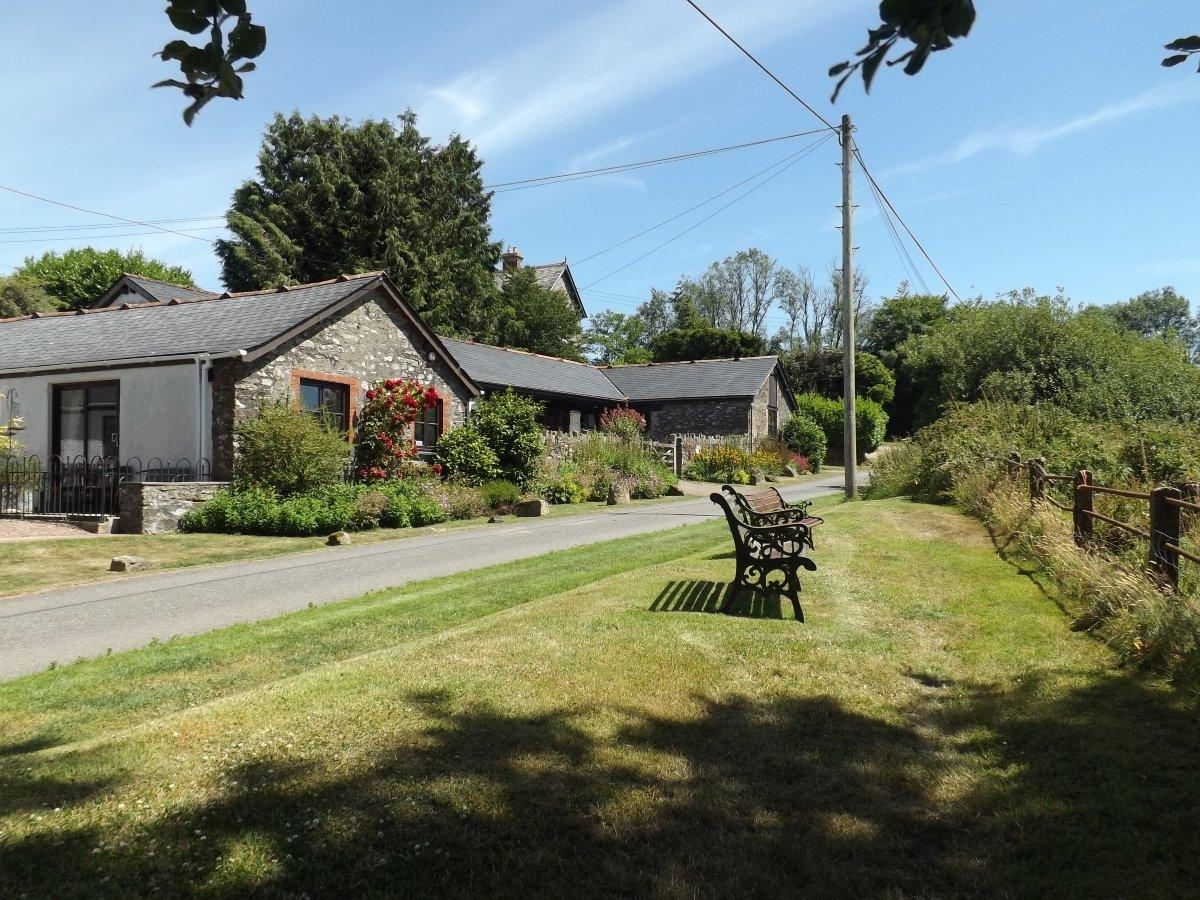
column 87, row 420
column 428, row 426
column 328, row 400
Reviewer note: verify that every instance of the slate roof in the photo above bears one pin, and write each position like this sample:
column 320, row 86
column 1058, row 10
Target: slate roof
column 708, row 378
column 497, row 366
column 206, row 325
column 165, row 290
column 548, row 275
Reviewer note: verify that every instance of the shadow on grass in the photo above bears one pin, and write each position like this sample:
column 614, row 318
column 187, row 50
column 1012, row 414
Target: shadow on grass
column 1090, row 793
column 717, row 596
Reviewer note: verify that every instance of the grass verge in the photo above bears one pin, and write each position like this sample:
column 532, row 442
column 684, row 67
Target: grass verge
column 585, row 723
column 30, row 566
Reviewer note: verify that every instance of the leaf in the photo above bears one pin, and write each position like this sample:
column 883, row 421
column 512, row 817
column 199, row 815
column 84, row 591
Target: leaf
column 246, row 67
column 1186, row 43
column 186, row 19
column 175, row 50
column 247, row 41
column 919, row 55
column 1175, row 60
column 871, row 63
column 234, row 7
column 838, row 69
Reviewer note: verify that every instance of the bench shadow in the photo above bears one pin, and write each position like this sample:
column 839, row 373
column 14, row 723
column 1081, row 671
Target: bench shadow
column 717, row 596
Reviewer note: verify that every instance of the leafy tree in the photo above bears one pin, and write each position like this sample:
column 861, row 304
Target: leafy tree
column 22, row 296
column 78, row 277
column 535, row 318
column 1158, row 313
column 615, row 338
column 735, row 293
column 1030, row 349
column 657, row 313
column 895, row 321
column 933, row 25
column 681, row 344
column 820, row 372
column 213, row 69
column 898, row 318
column 333, row 196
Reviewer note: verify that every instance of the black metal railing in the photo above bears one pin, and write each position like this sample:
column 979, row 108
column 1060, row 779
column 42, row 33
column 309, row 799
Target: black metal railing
column 81, row 486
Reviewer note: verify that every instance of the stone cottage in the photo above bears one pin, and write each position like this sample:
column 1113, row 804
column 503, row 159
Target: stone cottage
column 169, row 379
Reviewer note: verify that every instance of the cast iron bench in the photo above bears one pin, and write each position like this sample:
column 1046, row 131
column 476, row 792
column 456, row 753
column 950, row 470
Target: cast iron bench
column 767, row 507
column 762, row 550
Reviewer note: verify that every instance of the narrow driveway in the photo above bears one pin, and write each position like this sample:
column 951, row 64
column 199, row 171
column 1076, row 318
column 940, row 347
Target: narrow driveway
column 65, row 625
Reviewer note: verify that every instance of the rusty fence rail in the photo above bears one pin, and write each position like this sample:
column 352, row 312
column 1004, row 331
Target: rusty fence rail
column 1168, row 507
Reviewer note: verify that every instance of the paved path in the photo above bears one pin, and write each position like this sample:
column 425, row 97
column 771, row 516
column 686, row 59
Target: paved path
column 65, row 625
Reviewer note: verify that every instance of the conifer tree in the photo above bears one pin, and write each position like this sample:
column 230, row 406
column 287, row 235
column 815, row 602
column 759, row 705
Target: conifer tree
column 333, row 196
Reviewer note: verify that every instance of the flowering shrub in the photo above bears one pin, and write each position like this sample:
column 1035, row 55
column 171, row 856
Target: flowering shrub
column 622, row 421
column 722, row 462
column 384, row 432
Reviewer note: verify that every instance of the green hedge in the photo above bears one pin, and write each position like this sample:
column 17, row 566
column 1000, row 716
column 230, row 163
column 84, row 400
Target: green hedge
column 803, row 435
column 870, row 422
column 398, row 503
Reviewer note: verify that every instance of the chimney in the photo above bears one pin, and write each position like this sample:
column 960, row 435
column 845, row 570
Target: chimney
column 511, row 259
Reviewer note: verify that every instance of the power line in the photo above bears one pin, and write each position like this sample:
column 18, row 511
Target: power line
column 157, row 228
column 684, row 213
column 796, row 157
column 904, row 225
column 902, row 254
column 38, row 228
column 754, row 60
column 524, row 183
column 98, row 237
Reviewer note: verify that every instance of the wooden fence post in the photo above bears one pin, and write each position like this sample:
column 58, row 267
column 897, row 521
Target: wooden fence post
column 678, row 442
column 1164, row 532
column 1037, row 479
column 1083, row 505
column 1014, row 465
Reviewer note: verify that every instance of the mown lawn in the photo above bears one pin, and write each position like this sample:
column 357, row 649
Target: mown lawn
column 585, row 723
column 30, row 566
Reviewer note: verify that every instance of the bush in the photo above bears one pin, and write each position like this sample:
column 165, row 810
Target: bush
column 1037, row 350
column 725, row 463
column 870, row 422
column 500, row 496
column 804, row 436
column 289, row 451
column 466, row 456
column 562, row 484
column 623, row 422
column 508, row 424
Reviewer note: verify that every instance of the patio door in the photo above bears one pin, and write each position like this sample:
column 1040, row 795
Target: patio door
column 87, row 420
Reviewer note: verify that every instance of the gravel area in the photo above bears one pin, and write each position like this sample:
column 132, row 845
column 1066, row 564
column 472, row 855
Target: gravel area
column 34, row 530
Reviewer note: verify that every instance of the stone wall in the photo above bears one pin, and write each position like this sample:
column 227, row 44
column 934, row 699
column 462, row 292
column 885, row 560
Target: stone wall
column 155, row 507
column 723, row 416
column 367, row 342
column 759, row 411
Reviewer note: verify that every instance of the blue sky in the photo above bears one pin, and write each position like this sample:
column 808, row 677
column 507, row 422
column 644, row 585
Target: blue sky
column 1064, row 156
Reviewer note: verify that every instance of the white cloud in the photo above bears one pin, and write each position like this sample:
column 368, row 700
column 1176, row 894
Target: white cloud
column 1023, row 140
column 590, row 66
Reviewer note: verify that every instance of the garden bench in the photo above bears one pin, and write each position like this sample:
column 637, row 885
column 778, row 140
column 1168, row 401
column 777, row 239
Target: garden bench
column 767, row 507
column 764, row 550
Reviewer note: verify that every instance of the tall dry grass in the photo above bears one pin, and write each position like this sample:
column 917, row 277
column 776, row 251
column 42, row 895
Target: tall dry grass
column 1110, row 595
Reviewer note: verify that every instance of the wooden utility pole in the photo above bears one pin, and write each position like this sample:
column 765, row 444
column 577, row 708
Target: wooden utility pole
column 850, row 442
